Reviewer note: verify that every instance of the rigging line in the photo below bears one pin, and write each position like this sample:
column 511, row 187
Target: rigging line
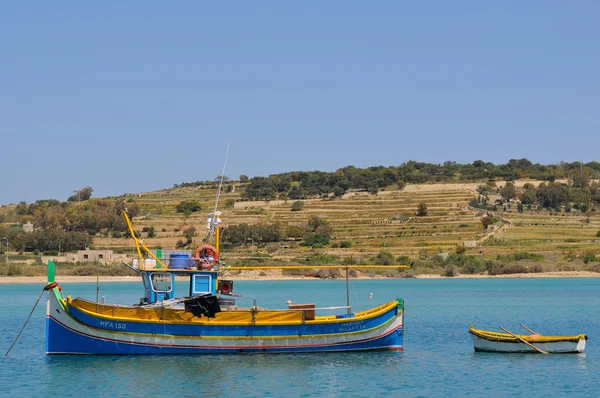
column 212, row 229
column 29, row 317
column 222, row 176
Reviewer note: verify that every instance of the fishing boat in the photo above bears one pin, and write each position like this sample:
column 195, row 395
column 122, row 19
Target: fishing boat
column 509, row 342
column 204, row 318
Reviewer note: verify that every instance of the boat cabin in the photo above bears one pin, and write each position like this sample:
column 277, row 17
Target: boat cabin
column 159, row 285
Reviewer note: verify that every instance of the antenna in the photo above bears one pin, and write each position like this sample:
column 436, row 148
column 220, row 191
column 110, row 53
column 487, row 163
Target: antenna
column 222, row 176
column 214, row 220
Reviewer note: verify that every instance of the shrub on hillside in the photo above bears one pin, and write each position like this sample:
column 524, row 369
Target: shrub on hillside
column 345, row 244
column 589, row 257
column 189, row 207
column 297, row 205
column 315, row 239
column 506, row 269
column 403, row 260
column 450, row 270
column 518, row 256
column 595, row 267
column 384, row 258
column 14, row 270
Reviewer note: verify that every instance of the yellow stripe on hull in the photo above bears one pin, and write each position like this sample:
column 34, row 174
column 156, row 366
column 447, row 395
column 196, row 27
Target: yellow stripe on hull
column 225, row 318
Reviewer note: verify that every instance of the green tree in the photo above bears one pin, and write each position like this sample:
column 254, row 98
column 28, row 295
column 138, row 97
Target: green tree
column 422, row 210
column 81, row 195
column 189, row 234
column 508, row 191
column 150, row 232
column 487, row 221
column 293, row 232
column 384, row 258
column 315, row 222
column 189, row 207
column 297, row 205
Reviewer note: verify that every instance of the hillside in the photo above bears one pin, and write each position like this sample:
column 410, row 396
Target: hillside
column 361, row 227
column 386, row 221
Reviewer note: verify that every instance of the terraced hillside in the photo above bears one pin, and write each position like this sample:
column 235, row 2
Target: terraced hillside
column 371, row 223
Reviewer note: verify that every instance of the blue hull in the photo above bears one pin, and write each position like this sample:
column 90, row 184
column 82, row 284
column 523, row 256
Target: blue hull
column 71, row 331
column 66, row 341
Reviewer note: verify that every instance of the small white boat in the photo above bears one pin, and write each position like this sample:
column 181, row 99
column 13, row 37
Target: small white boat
column 487, row 341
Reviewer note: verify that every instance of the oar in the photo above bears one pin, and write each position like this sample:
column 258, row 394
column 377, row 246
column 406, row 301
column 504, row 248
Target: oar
column 526, row 328
column 523, row 341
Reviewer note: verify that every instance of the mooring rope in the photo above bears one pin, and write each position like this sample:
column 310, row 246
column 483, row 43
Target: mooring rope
column 47, row 287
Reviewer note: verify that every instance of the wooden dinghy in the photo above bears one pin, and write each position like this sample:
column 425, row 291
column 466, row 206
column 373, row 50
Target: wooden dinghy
column 487, row 341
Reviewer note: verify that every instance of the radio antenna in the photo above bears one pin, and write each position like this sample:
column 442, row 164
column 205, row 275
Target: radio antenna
column 222, row 176
column 213, row 220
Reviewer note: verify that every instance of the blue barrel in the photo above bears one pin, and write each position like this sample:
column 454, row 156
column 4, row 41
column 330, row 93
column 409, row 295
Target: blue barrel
column 180, row 261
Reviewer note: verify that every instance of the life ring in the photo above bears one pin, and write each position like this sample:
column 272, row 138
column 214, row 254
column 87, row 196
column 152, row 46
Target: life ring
column 206, row 256
column 51, row 286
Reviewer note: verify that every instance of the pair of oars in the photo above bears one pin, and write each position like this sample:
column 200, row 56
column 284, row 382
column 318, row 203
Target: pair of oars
column 523, row 340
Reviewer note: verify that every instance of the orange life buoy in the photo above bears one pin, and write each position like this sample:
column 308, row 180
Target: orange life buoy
column 207, row 256
column 51, row 286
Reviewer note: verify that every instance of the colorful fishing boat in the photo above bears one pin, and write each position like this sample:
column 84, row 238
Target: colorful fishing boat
column 205, row 320
column 509, row 342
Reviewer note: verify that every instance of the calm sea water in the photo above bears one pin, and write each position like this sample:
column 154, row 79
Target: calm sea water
column 438, row 359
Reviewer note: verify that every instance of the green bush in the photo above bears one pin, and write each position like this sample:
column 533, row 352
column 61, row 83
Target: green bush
column 297, row 205
column 14, row 270
column 403, row 260
column 518, row 256
column 345, row 244
column 597, row 235
column 188, row 207
column 503, row 269
column 384, row 258
column 315, row 239
column 450, row 270
column 589, row 257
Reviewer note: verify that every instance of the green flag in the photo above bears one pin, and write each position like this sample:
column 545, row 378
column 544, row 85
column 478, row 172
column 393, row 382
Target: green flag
column 51, row 271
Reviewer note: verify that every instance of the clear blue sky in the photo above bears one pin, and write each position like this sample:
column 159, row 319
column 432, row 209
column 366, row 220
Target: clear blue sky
column 138, row 95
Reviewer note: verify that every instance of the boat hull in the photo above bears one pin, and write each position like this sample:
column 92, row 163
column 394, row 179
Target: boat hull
column 68, row 334
column 556, row 346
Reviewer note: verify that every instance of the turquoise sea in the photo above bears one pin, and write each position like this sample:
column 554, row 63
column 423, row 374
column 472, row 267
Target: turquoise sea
column 438, row 358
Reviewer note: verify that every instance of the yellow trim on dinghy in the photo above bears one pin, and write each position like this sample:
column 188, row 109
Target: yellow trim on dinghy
column 497, row 336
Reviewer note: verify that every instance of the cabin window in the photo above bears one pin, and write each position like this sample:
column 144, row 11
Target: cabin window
column 161, row 282
column 85, row 256
column 100, row 256
column 202, row 284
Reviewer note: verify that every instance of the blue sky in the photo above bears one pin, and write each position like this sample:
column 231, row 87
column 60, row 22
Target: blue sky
column 138, row 95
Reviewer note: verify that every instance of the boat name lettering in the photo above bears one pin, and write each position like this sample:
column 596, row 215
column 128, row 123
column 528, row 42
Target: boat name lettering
column 113, row 325
column 351, row 326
